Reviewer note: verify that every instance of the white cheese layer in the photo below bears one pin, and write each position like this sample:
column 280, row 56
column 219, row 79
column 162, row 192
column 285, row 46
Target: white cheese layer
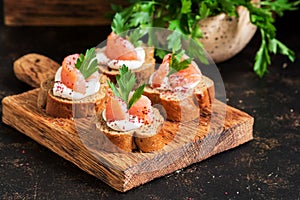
column 166, row 85
column 124, row 125
column 61, row 90
column 116, row 64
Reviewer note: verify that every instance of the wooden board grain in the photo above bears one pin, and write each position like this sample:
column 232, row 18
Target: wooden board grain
column 78, row 142
column 58, row 12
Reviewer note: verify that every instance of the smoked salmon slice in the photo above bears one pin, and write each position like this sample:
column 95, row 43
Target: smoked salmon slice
column 143, row 110
column 180, row 78
column 118, row 48
column 161, row 72
column 116, row 109
column 71, row 76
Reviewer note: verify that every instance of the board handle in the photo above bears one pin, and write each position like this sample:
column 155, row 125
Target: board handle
column 34, row 68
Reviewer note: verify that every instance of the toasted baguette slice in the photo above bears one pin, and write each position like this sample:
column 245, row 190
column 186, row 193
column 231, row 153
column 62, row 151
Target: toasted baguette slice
column 183, row 106
column 148, row 141
column 142, row 73
column 45, row 86
column 121, row 140
column 147, row 138
column 205, row 92
column 65, row 108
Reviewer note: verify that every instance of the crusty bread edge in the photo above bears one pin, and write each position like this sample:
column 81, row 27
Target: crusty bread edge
column 65, row 108
column 135, row 140
column 179, row 111
column 142, row 73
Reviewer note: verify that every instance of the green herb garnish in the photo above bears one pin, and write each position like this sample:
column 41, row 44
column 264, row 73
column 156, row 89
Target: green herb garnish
column 87, row 64
column 135, row 36
column 183, row 16
column 126, row 81
column 119, row 27
column 175, row 63
column 118, row 24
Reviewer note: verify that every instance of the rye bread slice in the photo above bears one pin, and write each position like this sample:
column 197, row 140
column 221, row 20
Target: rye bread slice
column 142, row 73
column 183, row 106
column 66, row 108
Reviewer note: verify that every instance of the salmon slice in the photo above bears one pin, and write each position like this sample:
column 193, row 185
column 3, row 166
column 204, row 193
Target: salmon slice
column 181, row 78
column 143, row 110
column 162, row 71
column 185, row 77
column 71, row 76
column 118, row 48
column 116, row 109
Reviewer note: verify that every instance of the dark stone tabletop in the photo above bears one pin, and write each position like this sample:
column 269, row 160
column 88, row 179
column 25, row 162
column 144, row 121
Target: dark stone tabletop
column 265, row 168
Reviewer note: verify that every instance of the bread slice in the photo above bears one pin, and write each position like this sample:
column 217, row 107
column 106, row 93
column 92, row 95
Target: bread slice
column 45, row 86
column 148, row 141
column 205, row 92
column 121, row 140
column 185, row 105
column 142, row 73
column 66, row 108
column 147, row 138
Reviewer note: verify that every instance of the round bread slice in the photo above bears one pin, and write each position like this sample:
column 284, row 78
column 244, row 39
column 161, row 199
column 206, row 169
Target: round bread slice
column 183, row 106
column 66, row 108
column 148, row 138
column 121, row 140
column 142, row 73
column 205, row 92
column 45, row 86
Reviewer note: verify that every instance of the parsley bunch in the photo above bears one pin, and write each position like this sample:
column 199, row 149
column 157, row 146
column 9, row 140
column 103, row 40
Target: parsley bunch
column 183, row 16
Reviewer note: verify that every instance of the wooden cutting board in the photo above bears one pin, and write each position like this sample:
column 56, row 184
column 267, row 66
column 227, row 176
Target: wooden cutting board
column 78, row 142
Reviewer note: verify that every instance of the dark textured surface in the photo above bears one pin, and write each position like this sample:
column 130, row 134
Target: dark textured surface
column 265, row 168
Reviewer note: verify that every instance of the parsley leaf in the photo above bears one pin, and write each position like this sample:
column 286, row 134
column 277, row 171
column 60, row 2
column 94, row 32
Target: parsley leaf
column 87, row 64
column 174, row 41
column 262, row 58
column 118, row 24
column 186, row 6
column 136, row 95
column 279, row 6
column 136, row 35
column 126, row 81
column 177, row 65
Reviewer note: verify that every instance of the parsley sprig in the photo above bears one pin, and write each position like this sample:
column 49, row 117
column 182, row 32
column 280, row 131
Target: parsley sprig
column 87, row 64
column 120, row 27
column 183, row 16
column 176, row 62
column 126, row 81
column 177, row 65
